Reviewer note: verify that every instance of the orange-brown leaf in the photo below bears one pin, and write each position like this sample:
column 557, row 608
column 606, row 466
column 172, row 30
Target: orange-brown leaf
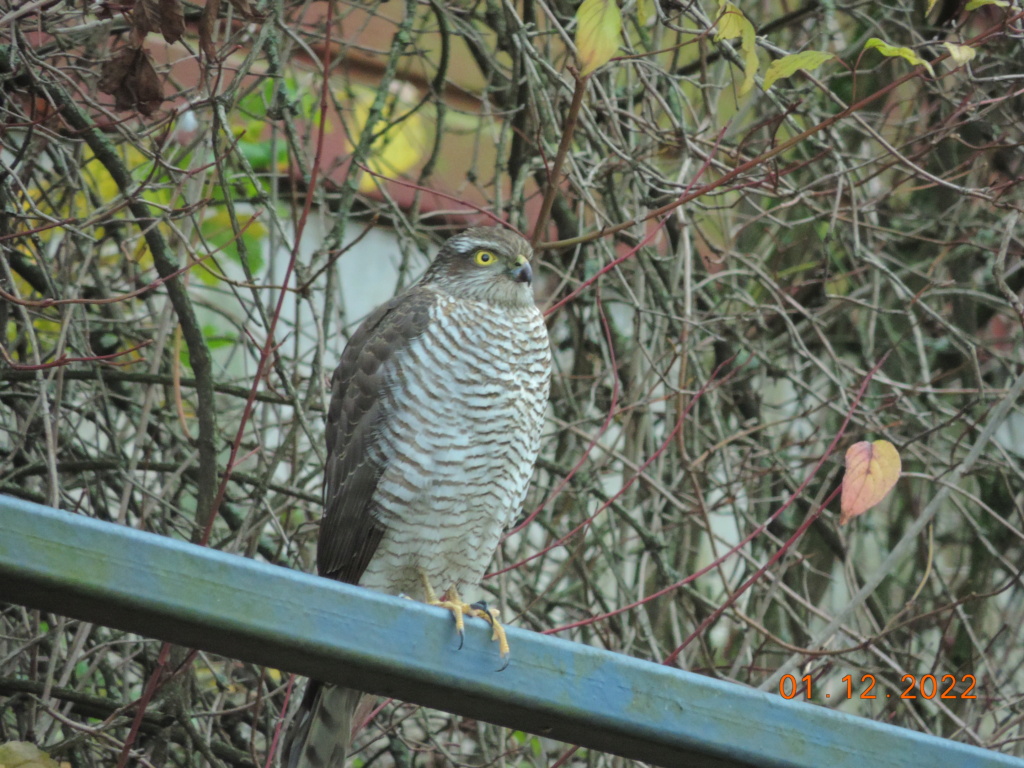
column 872, row 469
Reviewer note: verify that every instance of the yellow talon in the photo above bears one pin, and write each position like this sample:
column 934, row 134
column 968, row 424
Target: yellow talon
column 493, row 615
column 451, row 601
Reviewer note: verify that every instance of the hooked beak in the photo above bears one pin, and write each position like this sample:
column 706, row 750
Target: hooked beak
column 522, row 272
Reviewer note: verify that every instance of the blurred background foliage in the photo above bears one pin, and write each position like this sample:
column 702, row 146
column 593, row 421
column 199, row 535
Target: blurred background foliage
column 202, row 200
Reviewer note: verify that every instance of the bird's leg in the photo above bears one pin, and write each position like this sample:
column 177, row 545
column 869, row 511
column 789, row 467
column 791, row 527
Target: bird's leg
column 492, row 615
column 451, row 601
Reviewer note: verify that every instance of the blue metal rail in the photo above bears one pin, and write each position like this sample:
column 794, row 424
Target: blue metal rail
column 201, row 598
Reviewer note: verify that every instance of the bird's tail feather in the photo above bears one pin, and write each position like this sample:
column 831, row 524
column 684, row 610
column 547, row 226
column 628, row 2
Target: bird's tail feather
column 322, row 729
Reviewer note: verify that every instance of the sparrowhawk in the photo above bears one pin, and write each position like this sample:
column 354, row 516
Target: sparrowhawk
column 432, row 432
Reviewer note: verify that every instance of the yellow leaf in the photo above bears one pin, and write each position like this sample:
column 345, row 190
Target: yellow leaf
column 872, row 469
column 931, row 4
column 646, row 13
column 892, row 51
column 401, row 145
column 973, row 4
column 961, row 54
column 48, row 329
column 788, row 65
column 598, row 33
column 23, row 754
column 732, row 23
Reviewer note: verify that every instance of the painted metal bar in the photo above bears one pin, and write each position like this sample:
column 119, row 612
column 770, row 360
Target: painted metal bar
column 201, row 598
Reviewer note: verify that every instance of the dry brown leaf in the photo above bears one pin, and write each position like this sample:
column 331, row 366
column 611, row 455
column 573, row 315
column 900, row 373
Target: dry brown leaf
column 164, row 16
column 115, row 70
column 145, row 19
column 244, row 8
column 130, row 78
column 206, row 23
column 172, row 20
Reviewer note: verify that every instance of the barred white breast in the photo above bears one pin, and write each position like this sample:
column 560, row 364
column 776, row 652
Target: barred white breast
column 464, row 405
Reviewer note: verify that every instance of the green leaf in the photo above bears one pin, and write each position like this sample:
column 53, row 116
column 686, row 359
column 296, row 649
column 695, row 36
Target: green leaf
column 598, row 33
column 893, row 52
column 218, row 235
column 788, row 65
column 215, row 338
column 264, row 155
column 732, row 23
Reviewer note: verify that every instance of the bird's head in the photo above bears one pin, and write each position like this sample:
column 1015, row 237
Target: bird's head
column 487, row 264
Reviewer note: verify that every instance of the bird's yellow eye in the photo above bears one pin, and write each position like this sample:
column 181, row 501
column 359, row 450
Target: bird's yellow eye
column 483, row 258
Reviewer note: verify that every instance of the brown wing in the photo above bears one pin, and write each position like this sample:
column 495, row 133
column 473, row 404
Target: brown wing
column 349, row 534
